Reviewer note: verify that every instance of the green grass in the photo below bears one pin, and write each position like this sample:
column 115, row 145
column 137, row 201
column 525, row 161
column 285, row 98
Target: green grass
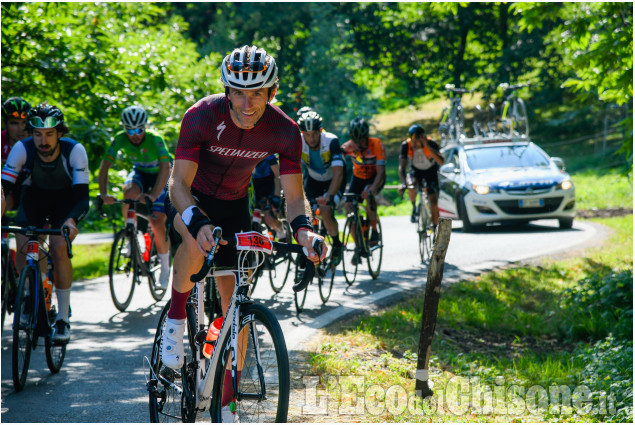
column 510, row 329
column 90, row 261
column 603, row 189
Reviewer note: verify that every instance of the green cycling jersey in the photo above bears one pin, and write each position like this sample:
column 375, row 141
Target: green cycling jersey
column 145, row 157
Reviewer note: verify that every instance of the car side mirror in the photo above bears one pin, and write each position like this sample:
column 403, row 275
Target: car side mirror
column 559, row 162
column 448, row 169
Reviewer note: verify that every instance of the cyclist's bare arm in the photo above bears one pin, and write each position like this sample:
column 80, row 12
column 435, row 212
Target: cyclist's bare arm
column 436, row 155
column 103, row 182
column 403, row 164
column 379, row 177
column 297, row 205
column 162, row 179
column 336, row 181
column 180, row 185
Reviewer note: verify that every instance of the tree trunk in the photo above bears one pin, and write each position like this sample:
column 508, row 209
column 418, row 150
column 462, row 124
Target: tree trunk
column 431, row 306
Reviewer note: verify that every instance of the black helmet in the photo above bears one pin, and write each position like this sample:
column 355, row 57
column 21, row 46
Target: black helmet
column 358, row 129
column 310, row 121
column 303, row 110
column 46, row 116
column 15, row 107
column 415, row 130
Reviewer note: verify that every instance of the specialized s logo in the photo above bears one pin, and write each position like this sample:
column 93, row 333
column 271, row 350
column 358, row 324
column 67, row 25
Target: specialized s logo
column 220, row 127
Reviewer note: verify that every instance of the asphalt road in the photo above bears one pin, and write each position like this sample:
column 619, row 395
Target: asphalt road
column 102, row 379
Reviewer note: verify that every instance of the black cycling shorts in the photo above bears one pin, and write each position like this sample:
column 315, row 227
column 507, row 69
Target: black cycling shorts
column 431, row 176
column 38, row 205
column 315, row 188
column 357, row 185
column 232, row 216
column 263, row 190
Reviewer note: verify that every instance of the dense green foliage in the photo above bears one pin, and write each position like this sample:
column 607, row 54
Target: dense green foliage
column 345, row 59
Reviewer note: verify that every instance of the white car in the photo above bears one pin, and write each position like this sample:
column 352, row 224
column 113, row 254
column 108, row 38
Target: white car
column 507, row 181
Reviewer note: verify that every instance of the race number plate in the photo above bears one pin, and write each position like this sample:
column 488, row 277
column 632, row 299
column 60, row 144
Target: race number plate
column 253, row 241
column 531, row 203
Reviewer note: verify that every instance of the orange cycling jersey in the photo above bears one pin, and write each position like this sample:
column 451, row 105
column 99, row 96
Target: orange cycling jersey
column 365, row 162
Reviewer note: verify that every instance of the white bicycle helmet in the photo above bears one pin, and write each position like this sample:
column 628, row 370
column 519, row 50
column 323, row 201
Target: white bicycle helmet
column 134, row 117
column 249, row 67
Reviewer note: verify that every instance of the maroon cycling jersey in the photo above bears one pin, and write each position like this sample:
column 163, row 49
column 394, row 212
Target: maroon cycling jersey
column 226, row 154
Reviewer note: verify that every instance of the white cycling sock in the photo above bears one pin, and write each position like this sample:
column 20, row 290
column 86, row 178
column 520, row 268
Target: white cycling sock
column 63, row 303
column 165, row 260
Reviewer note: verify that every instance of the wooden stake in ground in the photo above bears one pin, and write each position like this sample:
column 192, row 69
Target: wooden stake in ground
column 431, row 306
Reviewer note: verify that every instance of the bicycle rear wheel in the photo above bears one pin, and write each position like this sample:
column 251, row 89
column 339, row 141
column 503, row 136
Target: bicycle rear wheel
column 154, row 267
column 263, row 386
column 375, row 253
column 122, row 269
column 55, row 354
column 167, row 404
column 349, row 251
column 23, row 327
column 520, row 116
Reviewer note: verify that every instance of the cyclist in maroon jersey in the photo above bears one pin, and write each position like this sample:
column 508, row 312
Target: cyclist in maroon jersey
column 223, row 137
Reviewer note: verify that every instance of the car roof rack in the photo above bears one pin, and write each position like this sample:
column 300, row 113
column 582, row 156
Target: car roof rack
column 483, row 140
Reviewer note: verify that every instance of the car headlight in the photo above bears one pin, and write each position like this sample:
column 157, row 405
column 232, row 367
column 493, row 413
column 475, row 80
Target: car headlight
column 565, row 185
column 480, row 189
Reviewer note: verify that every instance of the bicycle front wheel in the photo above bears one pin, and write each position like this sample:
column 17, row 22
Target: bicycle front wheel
column 261, row 375
column 327, row 273
column 299, row 297
column 122, row 270
column 154, row 268
column 425, row 236
column 280, row 264
column 23, row 327
column 376, row 250
column 350, row 256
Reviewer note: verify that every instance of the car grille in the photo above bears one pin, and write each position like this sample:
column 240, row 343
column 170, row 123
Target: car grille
column 511, row 206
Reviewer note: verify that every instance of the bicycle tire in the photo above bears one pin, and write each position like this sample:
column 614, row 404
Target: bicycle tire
column 122, row 261
column 326, row 274
column 375, row 253
column 280, row 264
column 299, row 298
column 477, row 124
column 520, row 116
column 154, row 267
column 8, row 281
column 165, row 403
column 425, row 240
column 265, row 363
column 349, row 249
column 23, row 327
column 55, row 354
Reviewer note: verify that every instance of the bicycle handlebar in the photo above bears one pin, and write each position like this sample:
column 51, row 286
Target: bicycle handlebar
column 454, row 89
column 32, row 231
column 278, row 246
column 147, row 202
column 507, row 86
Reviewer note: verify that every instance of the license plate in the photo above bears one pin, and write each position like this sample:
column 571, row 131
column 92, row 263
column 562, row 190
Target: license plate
column 531, row 203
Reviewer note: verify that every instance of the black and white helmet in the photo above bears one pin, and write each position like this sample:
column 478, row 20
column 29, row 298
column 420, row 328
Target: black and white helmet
column 303, row 110
column 134, row 117
column 249, row 67
column 310, row 121
column 358, row 129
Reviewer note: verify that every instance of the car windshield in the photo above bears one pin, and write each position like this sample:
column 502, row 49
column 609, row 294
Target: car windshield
column 506, row 157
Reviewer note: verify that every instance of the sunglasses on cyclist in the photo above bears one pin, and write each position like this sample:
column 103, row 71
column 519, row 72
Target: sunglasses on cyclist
column 16, row 114
column 134, row 131
column 239, row 66
column 48, row 122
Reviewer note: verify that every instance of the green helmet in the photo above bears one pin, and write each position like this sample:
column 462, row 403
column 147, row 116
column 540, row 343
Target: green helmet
column 15, row 107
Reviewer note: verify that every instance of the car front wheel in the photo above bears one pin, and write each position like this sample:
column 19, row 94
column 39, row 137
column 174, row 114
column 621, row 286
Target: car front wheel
column 467, row 225
column 565, row 223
